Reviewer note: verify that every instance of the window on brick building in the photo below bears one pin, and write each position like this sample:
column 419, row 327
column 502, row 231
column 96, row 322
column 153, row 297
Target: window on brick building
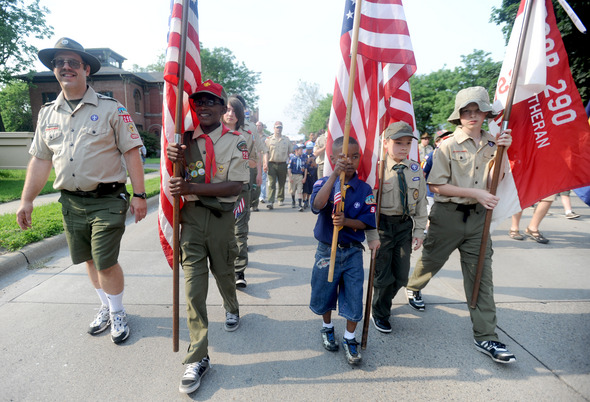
column 48, row 96
column 137, row 98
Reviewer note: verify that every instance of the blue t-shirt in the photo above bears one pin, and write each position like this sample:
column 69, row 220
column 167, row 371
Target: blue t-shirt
column 427, row 168
column 359, row 203
column 297, row 164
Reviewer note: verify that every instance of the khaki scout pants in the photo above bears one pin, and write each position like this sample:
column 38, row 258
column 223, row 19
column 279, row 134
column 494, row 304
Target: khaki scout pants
column 206, row 238
column 448, row 232
column 241, row 231
column 277, row 176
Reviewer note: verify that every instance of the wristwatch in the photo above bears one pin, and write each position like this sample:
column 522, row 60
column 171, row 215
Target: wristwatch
column 140, row 195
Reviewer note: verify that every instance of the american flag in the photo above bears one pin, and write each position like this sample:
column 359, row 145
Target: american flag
column 192, row 78
column 239, row 208
column 385, row 63
column 337, row 195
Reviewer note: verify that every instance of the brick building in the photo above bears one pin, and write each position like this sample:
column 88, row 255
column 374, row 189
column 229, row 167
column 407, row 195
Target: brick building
column 141, row 93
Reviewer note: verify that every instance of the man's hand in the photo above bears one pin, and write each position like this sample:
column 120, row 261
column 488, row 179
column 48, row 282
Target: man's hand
column 417, row 243
column 138, row 208
column 23, row 215
column 179, row 186
column 486, row 198
column 175, row 152
column 374, row 246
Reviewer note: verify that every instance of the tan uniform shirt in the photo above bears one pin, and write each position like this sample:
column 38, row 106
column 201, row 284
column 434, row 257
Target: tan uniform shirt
column 320, row 142
column 231, row 157
column 278, row 148
column 391, row 200
column 463, row 163
column 86, row 145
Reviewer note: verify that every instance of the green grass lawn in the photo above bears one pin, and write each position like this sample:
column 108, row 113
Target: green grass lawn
column 47, row 221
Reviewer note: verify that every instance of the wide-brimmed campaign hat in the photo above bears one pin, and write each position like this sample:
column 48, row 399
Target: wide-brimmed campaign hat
column 47, row 55
column 464, row 97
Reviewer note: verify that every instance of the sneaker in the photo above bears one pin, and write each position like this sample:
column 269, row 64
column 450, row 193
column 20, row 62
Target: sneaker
column 232, row 321
column 415, row 299
column 300, row 209
column 329, row 339
column 191, row 380
column 351, row 349
column 381, row 325
column 281, row 203
column 572, row 215
column 496, row 350
column 240, row 280
column 262, row 200
column 293, row 205
column 269, row 206
column 101, row 321
column 255, row 209
column 119, row 329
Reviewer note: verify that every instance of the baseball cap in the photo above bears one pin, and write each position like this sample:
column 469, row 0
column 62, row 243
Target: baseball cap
column 398, row 130
column 212, row 88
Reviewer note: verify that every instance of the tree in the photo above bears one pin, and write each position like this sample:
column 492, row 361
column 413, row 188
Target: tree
column 434, row 94
column 317, row 119
column 220, row 65
column 19, row 21
column 15, row 107
column 306, row 98
column 576, row 44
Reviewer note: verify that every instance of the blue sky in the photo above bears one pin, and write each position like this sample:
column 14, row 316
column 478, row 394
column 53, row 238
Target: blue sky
column 285, row 40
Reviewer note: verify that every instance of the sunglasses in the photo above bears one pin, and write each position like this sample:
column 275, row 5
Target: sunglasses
column 278, row 126
column 208, row 102
column 59, row 63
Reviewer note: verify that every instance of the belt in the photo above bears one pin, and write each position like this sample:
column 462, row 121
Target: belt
column 401, row 218
column 356, row 244
column 466, row 209
column 102, row 190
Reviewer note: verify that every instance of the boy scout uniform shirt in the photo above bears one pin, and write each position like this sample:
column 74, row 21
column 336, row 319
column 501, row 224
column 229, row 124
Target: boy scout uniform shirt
column 231, row 157
column 359, row 203
column 320, row 142
column 251, row 142
column 461, row 162
column 86, row 146
column 391, row 203
column 278, row 148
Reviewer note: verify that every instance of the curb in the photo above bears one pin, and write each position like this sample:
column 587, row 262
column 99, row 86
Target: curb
column 36, row 251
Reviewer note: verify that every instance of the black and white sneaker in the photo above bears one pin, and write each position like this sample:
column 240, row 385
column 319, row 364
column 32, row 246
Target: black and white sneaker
column 496, row 350
column 381, row 325
column 351, row 349
column 101, row 321
column 191, row 380
column 415, row 299
column 119, row 328
column 232, row 321
column 328, row 339
column 240, row 280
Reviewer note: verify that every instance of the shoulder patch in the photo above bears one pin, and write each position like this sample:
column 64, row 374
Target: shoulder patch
column 370, row 200
column 242, row 146
column 414, row 166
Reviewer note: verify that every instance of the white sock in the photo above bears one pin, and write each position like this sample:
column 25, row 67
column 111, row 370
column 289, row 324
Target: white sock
column 348, row 335
column 103, row 297
column 330, row 325
column 115, row 302
column 568, row 211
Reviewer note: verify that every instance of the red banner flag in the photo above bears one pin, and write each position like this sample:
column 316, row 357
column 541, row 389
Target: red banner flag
column 550, row 131
column 192, row 78
column 382, row 95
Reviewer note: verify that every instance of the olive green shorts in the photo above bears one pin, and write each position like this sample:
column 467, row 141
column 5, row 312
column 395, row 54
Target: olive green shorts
column 94, row 227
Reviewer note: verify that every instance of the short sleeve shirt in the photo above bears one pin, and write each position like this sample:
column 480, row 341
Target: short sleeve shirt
column 359, row 203
column 231, row 158
column 463, row 163
column 320, row 142
column 278, row 148
column 85, row 145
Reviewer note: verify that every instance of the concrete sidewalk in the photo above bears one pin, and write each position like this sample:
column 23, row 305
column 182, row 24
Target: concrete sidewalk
column 542, row 294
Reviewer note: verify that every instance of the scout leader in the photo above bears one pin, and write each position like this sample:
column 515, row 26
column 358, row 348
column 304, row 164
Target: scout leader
column 92, row 142
column 215, row 161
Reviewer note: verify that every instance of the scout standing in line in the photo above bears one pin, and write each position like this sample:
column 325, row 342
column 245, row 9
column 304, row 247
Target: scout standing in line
column 401, row 223
column 347, row 285
column 91, row 141
column 462, row 168
column 215, row 163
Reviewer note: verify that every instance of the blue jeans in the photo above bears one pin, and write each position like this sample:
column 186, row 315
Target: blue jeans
column 263, row 186
column 347, row 286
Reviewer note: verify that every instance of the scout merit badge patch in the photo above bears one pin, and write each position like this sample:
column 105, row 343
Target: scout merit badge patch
column 242, row 146
column 416, row 192
column 414, row 167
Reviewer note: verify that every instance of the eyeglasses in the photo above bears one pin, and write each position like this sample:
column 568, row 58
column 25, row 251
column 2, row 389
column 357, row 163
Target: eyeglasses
column 208, row 102
column 59, row 63
column 278, row 126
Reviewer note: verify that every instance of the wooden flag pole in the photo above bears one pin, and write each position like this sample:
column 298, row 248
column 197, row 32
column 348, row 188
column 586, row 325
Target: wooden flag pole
column 177, row 170
column 369, row 298
column 500, row 152
column 347, row 124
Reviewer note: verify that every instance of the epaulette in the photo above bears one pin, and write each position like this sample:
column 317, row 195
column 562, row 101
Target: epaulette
column 101, row 96
column 48, row 103
column 235, row 132
column 249, row 132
